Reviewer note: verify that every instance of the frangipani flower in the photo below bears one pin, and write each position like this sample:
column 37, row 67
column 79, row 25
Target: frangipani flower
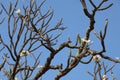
column 18, row 11
column 117, row 58
column 16, row 78
column 104, row 77
column 84, row 40
column 20, row 16
column 39, row 67
column 97, row 58
column 24, row 53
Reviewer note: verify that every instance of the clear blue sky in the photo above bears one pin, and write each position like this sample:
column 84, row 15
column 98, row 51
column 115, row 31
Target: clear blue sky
column 77, row 23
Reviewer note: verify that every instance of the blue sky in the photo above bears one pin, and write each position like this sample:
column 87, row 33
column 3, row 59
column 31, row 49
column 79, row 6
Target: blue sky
column 77, row 23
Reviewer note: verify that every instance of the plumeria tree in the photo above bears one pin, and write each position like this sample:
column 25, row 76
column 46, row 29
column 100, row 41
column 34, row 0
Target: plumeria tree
column 29, row 36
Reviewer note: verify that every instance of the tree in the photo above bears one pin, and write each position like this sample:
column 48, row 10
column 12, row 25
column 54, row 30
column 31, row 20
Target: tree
column 29, row 34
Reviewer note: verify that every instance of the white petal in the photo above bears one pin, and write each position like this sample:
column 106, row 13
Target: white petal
column 96, row 58
column 18, row 11
column 39, row 67
column 84, row 40
column 16, row 78
column 24, row 53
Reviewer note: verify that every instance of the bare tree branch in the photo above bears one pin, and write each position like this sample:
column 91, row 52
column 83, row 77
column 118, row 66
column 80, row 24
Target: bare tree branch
column 30, row 32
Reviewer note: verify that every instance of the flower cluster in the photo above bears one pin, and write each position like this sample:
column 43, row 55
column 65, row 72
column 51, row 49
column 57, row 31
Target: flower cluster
column 24, row 53
column 18, row 11
column 97, row 58
column 84, row 40
column 39, row 67
column 16, row 78
column 104, row 77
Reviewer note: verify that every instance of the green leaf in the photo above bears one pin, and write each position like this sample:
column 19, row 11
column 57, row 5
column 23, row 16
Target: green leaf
column 79, row 39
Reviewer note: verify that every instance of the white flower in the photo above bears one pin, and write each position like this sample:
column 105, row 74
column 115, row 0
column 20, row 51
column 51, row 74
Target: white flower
column 84, row 40
column 18, row 11
column 97, row 58
column 39, row 67
column 16, row 78
column 104, row 77
column 117, row 58
column 24, row 53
